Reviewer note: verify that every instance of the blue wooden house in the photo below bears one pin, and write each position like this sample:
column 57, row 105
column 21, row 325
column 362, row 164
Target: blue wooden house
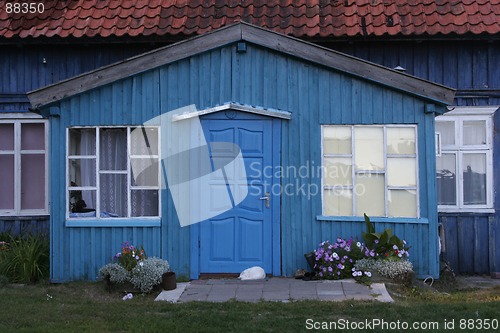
column 325, row 137
column 453, row 43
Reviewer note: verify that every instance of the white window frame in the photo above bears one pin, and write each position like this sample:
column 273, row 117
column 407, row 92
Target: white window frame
column 26, row 119
column 99, row 172
column 458, row 115
column 387, row 188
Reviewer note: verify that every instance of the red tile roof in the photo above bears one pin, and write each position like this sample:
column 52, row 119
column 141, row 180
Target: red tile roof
column 309, row 18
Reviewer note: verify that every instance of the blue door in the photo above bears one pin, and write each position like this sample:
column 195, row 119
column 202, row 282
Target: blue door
column 248, row 233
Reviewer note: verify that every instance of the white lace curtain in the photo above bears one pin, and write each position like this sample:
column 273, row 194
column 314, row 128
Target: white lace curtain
column 113, row 182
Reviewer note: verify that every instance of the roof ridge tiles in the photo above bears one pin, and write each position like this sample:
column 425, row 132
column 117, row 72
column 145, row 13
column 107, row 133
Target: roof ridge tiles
column 300, row 18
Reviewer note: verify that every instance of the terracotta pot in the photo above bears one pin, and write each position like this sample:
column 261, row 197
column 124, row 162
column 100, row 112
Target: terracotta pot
column 168, row 281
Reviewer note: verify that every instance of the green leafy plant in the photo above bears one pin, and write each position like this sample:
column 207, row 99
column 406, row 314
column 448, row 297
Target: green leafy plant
column 25, row 259
column 383, row 245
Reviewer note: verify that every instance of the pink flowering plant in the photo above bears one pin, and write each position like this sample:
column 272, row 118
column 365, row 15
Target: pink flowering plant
column 129, row 256
column 336, row 260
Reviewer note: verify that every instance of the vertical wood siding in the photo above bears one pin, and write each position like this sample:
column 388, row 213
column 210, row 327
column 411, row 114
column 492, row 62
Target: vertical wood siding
column 469, row 66
column 25, row 225
column 22, row 68
column 314, row 96
column 471, row 242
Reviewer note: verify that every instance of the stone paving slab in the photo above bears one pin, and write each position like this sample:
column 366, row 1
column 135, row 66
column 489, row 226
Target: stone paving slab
column 277, row 290
column 172, row 295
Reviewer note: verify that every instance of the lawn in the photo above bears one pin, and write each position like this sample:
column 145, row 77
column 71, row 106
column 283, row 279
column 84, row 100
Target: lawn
column 88, row 307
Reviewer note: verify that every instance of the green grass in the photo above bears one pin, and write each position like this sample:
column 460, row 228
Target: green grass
column 87, row 307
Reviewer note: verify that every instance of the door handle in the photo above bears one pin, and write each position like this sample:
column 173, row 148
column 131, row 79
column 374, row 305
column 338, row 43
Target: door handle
column 267, row 198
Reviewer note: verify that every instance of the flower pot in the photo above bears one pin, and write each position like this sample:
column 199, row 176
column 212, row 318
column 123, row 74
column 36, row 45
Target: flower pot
column 168, row 281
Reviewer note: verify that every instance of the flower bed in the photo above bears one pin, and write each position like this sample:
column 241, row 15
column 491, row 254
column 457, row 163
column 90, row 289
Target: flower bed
column 381, row 253
column 134, row 267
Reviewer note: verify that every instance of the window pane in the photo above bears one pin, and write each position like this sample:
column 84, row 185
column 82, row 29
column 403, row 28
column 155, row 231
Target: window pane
column 114, row 194
column 144, row 141
column 82, row 172
column 337, row 171
column 401, row 140
column 82, row 141
column 144, row 202
column 475, row 132
column 369, row 148
column 7, row 181
column 6, row 136
column 83, row 202
column 147, row 172
column 337, row 140
column 474, row 169
column 33, row 136
column 32, row 181
column 337, row 202
column 446, row 179
column 370, row 195
column 113, row 145
column 447, row 130
column 401, row 172
column 402, row 203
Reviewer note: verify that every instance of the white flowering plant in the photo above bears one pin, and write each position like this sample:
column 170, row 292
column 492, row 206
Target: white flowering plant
column 392, row 269
column 116, row 273
column 148, row 273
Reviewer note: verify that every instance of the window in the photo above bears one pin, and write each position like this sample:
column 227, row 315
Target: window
column 113, row 172
column 23, row 165
column 370, row 169
column 465, row 165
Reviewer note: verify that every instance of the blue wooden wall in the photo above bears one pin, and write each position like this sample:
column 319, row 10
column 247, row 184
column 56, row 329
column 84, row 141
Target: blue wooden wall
column 259, row 77
column 470, row 66
column 471, row 242
column 22, row 67
column 22, row 225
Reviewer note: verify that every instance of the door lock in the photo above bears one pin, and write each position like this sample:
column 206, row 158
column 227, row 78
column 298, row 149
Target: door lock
column 267, row 198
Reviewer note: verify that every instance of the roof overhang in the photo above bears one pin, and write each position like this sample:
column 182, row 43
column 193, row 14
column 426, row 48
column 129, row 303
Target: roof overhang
column 249, row 33
column 472, row 110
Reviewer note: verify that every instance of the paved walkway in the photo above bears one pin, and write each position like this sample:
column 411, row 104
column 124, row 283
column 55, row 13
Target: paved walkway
column 274, row 289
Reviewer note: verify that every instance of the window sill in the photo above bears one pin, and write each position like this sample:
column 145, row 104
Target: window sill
column 24, row 216
column 469, row 210
column 420, row 220
column 114, row 222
